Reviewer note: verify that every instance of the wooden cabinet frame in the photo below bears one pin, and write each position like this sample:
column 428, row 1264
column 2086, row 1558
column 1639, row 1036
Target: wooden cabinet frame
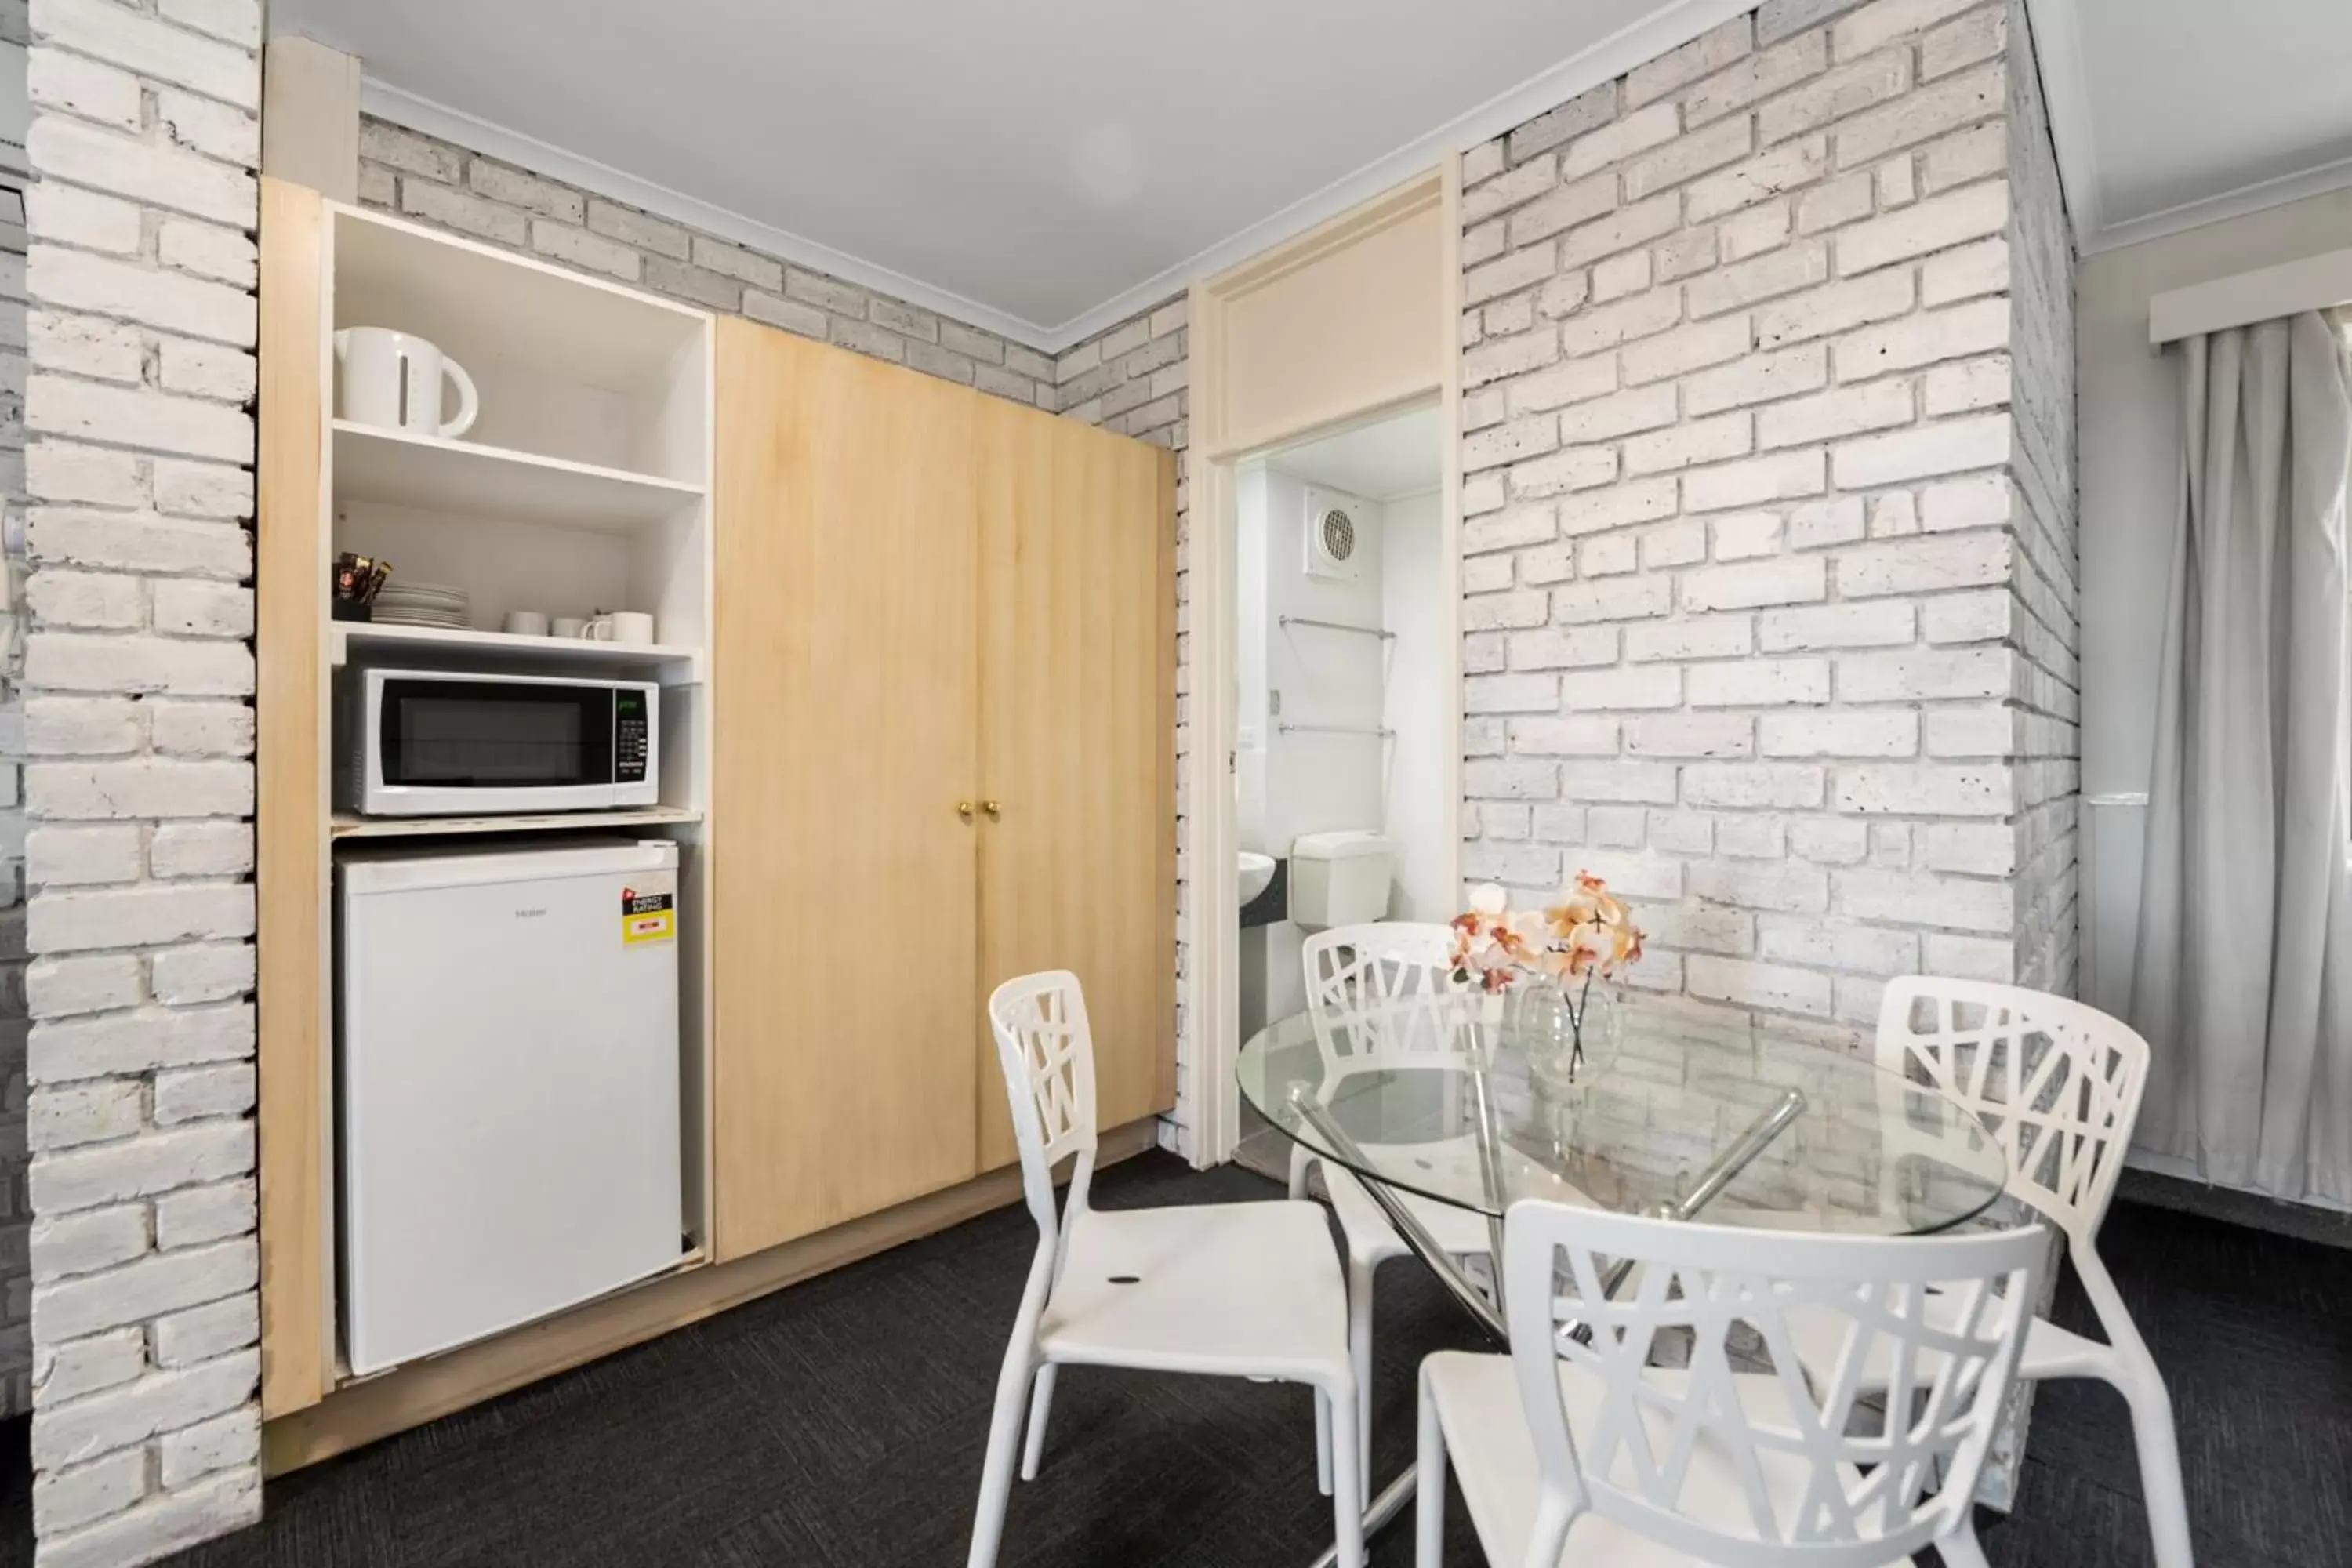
column 311, row 1407
column 291, row 933
column 319, row 258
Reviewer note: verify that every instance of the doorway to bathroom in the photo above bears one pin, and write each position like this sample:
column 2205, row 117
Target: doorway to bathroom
column 1325, row 378
column 1344, row 667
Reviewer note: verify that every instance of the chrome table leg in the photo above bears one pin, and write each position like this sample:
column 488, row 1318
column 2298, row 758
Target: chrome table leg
column 1416, row 1235
column 1390, row 1502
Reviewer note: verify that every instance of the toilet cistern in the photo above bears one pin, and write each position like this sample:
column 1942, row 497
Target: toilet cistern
column 1339, row 878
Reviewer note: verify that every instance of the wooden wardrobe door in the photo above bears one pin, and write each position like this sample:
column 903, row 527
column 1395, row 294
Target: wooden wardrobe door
column 844, row 704
column 1078, row 744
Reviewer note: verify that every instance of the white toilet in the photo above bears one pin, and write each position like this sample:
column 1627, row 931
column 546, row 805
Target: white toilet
column 1339, row 878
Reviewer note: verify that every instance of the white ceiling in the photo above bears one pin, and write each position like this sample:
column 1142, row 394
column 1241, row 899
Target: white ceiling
column 1045, row 168
column 2169, row 113
column 1037, row 159
column 1403, row 455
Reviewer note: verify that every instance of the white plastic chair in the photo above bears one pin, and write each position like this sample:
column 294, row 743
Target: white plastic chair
column 2058, row 1085
column 1572, row 1442
column 1381, row 996
column 1238, row 1290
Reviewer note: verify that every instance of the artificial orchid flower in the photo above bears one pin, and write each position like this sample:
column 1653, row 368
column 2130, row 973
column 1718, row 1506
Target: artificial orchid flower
column 1589, row 931
column 1492, row 943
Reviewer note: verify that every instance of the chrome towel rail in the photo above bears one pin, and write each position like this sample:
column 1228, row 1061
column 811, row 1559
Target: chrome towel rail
column 1334, row 626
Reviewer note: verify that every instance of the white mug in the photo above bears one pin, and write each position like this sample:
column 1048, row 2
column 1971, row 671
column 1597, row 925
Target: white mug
column 633, row 628
column 393, row 380
column 567, row 627
column 525, row 624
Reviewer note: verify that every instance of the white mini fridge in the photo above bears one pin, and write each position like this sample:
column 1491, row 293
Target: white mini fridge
column 507, row 1086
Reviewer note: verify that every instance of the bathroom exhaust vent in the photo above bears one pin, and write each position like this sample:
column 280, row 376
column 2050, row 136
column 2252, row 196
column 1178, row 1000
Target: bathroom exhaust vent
column 1334, row 536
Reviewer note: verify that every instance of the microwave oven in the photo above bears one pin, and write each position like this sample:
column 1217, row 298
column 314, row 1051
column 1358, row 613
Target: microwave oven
column 426, row 742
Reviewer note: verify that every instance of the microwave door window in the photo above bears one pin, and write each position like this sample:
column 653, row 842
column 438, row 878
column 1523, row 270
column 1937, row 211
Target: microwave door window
column 470, row 735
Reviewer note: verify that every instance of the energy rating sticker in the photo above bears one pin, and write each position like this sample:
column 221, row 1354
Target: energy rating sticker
column 648, row 917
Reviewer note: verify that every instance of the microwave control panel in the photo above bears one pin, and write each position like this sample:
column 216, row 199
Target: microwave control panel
column 630, row 741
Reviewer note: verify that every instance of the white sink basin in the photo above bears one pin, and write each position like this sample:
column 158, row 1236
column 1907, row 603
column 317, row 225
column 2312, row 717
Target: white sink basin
column 1258, row 870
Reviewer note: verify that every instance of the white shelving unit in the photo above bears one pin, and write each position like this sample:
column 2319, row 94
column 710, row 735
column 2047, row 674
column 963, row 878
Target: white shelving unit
column 582, row 487
column 673, row 664
column 397, row 468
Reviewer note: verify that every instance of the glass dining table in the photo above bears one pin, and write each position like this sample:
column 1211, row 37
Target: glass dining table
column 1661, row 1108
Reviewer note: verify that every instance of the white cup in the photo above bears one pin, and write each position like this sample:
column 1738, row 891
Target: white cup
column 393, row 380
column 525, row 624
column 568, row 627
column 633, row 628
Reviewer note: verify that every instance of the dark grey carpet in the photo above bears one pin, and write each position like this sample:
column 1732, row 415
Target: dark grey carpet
column 841, row 1424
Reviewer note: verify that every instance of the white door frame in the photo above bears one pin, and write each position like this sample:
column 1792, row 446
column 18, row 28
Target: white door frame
column 1208, row 993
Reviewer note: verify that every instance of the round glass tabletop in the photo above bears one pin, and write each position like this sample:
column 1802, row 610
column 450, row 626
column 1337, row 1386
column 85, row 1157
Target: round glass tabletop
column 1480, row 1101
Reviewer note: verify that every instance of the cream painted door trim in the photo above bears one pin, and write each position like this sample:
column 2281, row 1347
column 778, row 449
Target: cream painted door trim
column 1209, row 992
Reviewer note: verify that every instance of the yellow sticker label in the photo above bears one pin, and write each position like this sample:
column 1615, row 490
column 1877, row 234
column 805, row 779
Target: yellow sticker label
column 649, row 928
column 648, row 917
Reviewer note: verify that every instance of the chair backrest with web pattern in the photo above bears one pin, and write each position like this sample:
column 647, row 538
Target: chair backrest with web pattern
column 1382, row 991
column 1047, row 1052
column 2057, row 1084
column 1783, row 1452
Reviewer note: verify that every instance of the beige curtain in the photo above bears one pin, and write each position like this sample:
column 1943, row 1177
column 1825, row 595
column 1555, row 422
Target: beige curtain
column 2243, row 978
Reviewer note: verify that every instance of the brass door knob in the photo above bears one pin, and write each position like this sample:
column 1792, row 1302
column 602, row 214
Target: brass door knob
column 995, row 809
column 963, row 809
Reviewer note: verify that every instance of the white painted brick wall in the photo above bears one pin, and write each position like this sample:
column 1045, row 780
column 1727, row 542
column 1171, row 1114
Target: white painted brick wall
column 1768, row 408
column 2044, row 613
column 136, row 731
column 15, row 1212
column 1131, row 378
column 439, row 183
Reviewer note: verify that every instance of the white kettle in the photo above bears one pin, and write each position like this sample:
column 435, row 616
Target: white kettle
column 392, row 380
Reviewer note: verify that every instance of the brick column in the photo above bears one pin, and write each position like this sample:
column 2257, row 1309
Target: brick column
column 138, row 677
column 1767, row 608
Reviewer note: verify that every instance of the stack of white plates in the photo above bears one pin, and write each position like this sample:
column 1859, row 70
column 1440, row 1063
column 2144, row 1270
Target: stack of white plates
column 421, row 604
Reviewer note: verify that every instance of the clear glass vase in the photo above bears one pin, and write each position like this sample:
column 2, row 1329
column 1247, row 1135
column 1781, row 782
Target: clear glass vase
column 1568, row 1032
